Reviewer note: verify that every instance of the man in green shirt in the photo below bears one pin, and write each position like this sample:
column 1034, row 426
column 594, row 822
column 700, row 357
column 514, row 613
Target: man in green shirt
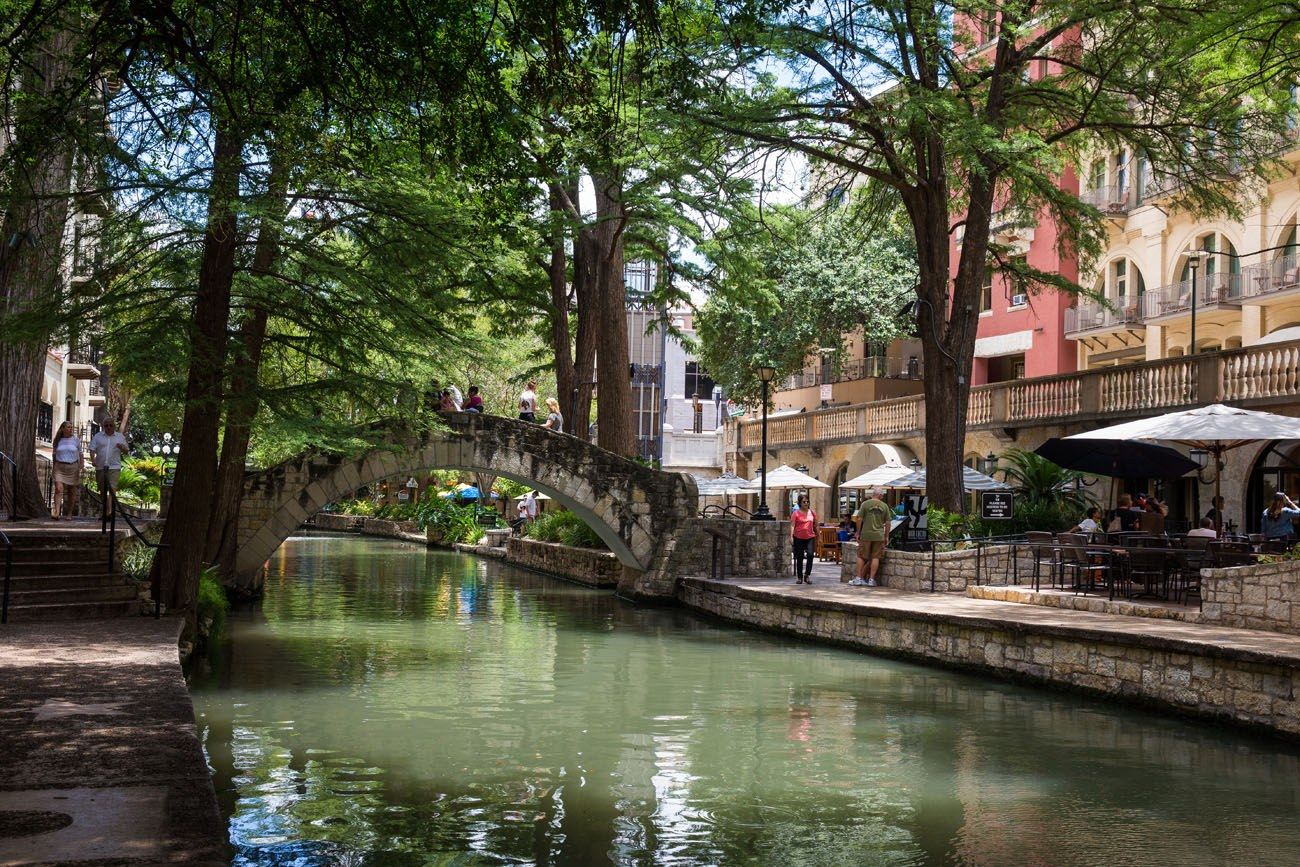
column 873, row 520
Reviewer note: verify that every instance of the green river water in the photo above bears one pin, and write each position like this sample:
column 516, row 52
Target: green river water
column 388, row 705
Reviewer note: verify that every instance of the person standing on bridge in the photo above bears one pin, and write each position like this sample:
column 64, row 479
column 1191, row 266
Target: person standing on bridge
column 528, row 402
column 554, row 420
column 475, row 401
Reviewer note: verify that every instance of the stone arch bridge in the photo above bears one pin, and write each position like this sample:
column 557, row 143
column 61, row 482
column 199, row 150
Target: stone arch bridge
column 641, row 513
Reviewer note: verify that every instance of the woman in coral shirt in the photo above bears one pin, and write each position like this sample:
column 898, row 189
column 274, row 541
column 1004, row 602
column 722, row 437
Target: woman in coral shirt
column 803, row 531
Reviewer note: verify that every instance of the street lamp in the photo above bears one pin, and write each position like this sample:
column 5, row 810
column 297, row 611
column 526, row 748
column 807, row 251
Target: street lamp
column 1195, row 258
column 1202, row 458
column 765, row 376
column 990, row 464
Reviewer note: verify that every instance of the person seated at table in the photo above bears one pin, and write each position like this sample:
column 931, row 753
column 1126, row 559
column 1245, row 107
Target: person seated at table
column 1206, row 529
column 846, row 529
column 1090, row 523
column 1124, row 518
column 1278, row 517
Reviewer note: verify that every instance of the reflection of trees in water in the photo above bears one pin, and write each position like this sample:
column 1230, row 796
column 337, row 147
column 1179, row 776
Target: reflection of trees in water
column 454, row 705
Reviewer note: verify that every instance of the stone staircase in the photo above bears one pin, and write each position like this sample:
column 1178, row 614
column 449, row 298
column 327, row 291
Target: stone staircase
column 61, row 576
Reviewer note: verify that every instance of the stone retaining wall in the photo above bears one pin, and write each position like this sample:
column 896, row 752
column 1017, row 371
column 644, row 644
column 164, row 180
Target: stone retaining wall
column 339, row 523
column 583, row 565
column 1229, row 684
column 758, row 547
column 1253, row 597
column 953, row 571
column 393, row 529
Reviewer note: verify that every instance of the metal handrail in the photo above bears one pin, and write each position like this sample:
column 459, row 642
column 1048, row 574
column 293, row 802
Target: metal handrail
column 9, row 571
column 13, row 493
column 155, row 584
column 713, row 510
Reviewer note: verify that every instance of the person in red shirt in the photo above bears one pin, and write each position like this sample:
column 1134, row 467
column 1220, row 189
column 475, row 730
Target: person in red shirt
column 803, row 531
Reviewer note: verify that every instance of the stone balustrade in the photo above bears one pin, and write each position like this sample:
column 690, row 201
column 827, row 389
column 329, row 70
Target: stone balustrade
column 1252, row 376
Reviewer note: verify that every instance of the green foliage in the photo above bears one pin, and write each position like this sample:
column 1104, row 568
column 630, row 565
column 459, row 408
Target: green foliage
column 510, row 489
column 1037, row 482
column 566, row 528
column 212, row 603
column 136, row 558
column 141, row 479
column 362, row 507
column 454, row 523
column 796, row 281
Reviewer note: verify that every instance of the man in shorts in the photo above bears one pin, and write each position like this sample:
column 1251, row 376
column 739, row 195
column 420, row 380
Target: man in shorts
column 106, row 450
column 873, row 520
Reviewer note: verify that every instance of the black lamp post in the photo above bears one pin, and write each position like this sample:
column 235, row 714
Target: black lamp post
column 765, row 375
column 1194, row 259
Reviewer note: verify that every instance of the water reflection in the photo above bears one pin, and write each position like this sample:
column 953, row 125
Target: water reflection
column 387, row 699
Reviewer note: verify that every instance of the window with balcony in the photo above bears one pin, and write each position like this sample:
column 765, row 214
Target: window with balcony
column 45, row 422
column 1222, row 266
column 1121, row 172
column 1141, row 176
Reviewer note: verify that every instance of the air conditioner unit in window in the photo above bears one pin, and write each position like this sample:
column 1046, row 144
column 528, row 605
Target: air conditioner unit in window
column 1017, row 300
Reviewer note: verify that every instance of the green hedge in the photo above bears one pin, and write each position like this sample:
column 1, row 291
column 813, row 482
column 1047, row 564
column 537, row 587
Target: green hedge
column 566, row 528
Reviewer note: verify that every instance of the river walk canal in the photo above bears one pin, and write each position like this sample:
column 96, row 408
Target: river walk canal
column 389, row 705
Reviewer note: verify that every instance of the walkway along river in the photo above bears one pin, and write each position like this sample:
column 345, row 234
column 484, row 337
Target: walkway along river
column 386, row 698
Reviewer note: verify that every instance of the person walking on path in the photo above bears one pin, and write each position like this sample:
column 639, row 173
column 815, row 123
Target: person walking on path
column 873, row 520
column 697, row 409
column 554, row 420
column 1278, row 517
column 106, row 450
column 803, row 532
column 528, row 402
column 67, row 472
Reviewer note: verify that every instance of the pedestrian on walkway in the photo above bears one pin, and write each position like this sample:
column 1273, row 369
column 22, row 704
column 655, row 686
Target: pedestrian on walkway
column 528, row 402
column 67, row 472
column 803, row 532
column 873, row 519
column 106, row 449
column 554, row 420
column 697, row 409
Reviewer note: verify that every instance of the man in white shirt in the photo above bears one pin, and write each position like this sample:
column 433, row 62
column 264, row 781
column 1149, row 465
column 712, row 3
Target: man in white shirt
column 106, row 450
column 1206, row 529
column 531, row 502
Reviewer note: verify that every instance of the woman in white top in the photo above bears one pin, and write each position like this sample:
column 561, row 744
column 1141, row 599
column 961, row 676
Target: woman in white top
column 528, row 402
column 1089, row 524
column 67, row 472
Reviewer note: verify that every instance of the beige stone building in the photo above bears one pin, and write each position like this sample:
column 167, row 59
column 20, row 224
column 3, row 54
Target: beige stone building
column 1135, row 357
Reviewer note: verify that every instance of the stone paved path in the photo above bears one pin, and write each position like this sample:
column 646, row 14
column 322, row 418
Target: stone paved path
column 826, row 591
column 99, row 759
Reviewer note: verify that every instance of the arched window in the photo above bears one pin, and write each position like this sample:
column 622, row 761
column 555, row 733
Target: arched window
column 1121, row 281
column 1222, row 277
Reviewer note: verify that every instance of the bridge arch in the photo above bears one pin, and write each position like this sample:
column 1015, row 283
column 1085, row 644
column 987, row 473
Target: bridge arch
column 636, row 510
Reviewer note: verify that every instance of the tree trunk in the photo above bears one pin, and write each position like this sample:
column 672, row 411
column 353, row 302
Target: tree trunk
column 561, row 339
column 947, row 326
column 185, row 532
column 586, row 256
column 120, row 399
column 242, row 400
column 31, row 254
column 614, row 407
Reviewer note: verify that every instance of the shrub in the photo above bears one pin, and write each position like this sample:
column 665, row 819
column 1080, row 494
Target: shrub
column 136, row 558
column 211, row 603
column 454, row 522
column 360, row 508
column 566, row 528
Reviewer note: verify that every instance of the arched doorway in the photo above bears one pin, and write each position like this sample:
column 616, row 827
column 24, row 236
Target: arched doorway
column 1276, row 469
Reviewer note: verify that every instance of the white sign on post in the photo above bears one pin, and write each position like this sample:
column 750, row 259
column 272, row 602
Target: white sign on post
column 826, row 392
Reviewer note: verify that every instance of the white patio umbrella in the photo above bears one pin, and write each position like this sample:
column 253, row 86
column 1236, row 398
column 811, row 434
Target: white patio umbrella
column 971, row 480
column 1216, row 429
column 785, row 478
column 877, row 476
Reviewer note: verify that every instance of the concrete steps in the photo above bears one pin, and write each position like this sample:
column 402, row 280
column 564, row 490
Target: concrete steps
column 66, row 576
